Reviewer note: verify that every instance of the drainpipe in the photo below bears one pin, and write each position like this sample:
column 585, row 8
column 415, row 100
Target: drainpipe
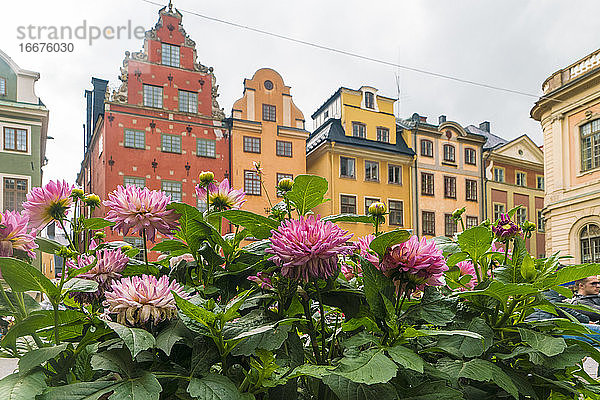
column 415, row 185
column 331, row 176
column 485, row 181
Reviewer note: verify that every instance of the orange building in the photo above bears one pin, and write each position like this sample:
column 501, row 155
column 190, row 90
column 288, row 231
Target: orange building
column 267, row 127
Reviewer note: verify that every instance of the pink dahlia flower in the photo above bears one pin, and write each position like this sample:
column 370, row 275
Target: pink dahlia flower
column 222, row 196
column 308, row 248
column 141, row 210
column 109, row 265
column 467, row 268
column 362, row 248
column 418, row 262
column 14, row 234
column 48, row 203
column 141, row 299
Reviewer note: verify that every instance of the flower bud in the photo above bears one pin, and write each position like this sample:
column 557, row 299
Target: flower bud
column 528, row 226
column 378, row 209
column 99, row 235
column 457, row 214
column 285, row 185
column 126, row 247
column 65, row 252
column 487, row 223
column 504, row 229
column 92, row 200
column 257, row 166
column 206, row 178
column 77, row 193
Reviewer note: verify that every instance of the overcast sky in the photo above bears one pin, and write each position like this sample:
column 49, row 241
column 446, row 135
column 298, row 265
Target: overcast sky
column 512, row 44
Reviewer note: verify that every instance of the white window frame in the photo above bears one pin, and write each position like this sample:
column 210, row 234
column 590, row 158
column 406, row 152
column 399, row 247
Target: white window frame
column 15, row 126
column 14, row 176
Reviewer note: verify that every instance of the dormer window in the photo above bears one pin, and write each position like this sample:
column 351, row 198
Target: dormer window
column 170, row 55
column 2, row 86
column 369, row 100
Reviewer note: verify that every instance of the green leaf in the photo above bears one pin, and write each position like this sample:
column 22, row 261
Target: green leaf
column 412, row 332
column 376, row 287
column 204, row 355
column 307, row 192
column 475, row 241
column 47, row 245
column 464, row 346
column 114, row 360
column 270, row 339
column 345, row 389
column 349, row 218
column 79, row 285
column 234, row 305
column 135, row 339
column 22, row 386
column 436, row 390
column 23, row 277
column 96, row 223
column 502, row 291
column 571, row 273
column 433, row 308
column 384, row 241
column 30, row 304
column 369, row 367
column 213, row 387
column 259, row 226
column 36, row 357
column 406, row 358
column 25, row 327
column 196, row 313
column 547, row 345
column 456, row 258
column 173, row 333
column 169, row 245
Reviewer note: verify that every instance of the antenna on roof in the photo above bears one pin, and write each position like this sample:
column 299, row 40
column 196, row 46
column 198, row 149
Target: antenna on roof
column 398, row 90
column 170, row 5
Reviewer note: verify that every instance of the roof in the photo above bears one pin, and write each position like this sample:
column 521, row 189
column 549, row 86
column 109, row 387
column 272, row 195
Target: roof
column 492, row 142
column 333, row 131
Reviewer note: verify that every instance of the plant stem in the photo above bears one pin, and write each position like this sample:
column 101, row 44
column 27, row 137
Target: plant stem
column 462, row 224
column 406, row 294
column 287, row 206
column 55, row 308
column 376, row 225
column 62, row 225
column 322, row 309
column 311, row 330
column 506, row 251
column 508, row 313
column 7, row 300
column 333, row 338
column 145, row 250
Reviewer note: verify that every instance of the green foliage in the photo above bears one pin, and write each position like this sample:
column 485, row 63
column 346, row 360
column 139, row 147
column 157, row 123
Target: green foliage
column 386, row 240
column 307, row 192
column 96, row 223
column 19, row 386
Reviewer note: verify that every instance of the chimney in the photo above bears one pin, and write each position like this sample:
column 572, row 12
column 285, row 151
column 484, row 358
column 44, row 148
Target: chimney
column 485, row 126
column 415, row 117
column 95, row 107
column 422, row 119
column 442, row 119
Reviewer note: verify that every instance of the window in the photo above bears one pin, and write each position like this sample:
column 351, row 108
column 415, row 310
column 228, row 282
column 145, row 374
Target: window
column 395, row 174
column 269, row 113
column 15, row 139
column 15, row 193
column 499, row 174
column 470, row 156
column 369, row 100
column 172, row 189
column 396, row 210
column 171, row 143
column 347, row 204
column 251, row 183
column 521, row 215
column 368, row 202
column 280, row 177
column 541, row 222
column 188, row 101
column 450, row 226
column 471, row 222
column 2, row 87
column 136, row 243
column 207, row 148
column 540, row 182
column 347, row 167
column 359, row 130
column 590, row 145
column 471, row 189
column 383, row 134
column 134, row 181
column 283, row 148
column 135, row 139
column 371, row 171
column 201, row 205
column 450, row 187
column 449, row 153
column 426, row 184
column 251, row 144
column 426, row 148
column 170, row 55
column 521, row 179
column 428, row 218
column 498, row 209
column 590, row 244
column 153, row 96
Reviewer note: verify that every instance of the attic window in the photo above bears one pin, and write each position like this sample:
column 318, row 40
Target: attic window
column 2, row 86
column 369, row 100
column 170, row 55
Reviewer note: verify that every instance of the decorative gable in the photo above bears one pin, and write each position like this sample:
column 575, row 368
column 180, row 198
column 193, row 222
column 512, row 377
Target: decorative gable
column 522, row 148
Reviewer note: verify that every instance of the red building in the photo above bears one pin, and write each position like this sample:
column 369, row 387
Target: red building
column 161, row 127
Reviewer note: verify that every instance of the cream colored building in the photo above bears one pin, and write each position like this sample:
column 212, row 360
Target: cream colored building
column 569, row 113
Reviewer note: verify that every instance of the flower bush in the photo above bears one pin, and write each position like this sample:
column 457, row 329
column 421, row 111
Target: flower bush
column 282, row 306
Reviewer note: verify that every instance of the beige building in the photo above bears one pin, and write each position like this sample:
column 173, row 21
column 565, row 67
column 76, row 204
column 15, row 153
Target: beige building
column 569, row 113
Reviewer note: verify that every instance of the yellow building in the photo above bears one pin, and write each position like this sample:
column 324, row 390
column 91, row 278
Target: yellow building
column 569, row 113
column 268, row 128
column 447, row 175
column 355, row 145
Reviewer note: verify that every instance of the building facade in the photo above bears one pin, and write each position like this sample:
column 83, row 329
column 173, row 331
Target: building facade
column 569, row 113
column 357, row 147
column 266, row 128
column 23, row 134
column 161, row 127
column 447, row 175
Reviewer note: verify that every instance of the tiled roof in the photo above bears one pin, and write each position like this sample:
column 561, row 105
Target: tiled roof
column 333, row 131
column 492, row 141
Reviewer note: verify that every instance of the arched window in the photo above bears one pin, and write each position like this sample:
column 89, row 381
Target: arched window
column 449, row 153
column 590, row 145
column 590, row 243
